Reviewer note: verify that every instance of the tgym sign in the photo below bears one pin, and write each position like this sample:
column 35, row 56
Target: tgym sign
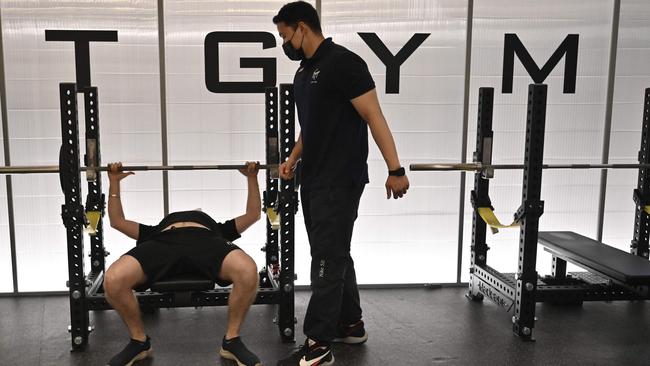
column 512, row 46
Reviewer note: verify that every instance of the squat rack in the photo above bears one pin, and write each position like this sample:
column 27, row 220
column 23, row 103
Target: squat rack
column 86, row 291
column 519, row 292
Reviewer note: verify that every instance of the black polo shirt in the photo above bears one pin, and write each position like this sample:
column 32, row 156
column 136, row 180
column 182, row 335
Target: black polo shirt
column 334, row 136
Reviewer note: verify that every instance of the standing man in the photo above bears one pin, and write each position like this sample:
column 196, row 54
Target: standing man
column 337, row 102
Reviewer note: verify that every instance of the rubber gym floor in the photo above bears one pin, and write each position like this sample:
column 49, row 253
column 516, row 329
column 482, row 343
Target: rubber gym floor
column 406, row 327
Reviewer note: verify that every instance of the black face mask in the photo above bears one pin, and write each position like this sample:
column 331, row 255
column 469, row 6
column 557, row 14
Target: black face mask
column 292, row 53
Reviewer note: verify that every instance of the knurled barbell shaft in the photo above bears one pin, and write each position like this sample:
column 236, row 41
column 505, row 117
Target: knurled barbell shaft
column 480, row 167
column 39, row 169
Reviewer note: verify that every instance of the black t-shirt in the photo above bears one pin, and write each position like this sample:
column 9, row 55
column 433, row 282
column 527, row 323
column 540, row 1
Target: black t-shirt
column 227, row 230
column 334, row 136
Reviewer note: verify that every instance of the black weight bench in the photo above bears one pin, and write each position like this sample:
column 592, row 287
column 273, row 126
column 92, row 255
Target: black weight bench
column 183, row 283
column 179, row 291
column 616, row 264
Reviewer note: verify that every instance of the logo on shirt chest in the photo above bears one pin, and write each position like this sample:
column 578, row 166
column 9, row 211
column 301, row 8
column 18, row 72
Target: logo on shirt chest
column 314, row 76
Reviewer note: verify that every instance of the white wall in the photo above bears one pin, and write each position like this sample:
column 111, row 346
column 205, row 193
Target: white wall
column 127, row 76
column 412, row 240
column 632, row 78
column 6, row 277
column 209, row 128
column 574, row 122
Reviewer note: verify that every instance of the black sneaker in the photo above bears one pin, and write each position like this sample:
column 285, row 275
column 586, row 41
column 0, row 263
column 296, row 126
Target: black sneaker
column 317, row 354
column 352, row 334
column 133, row 352
column 235, row 350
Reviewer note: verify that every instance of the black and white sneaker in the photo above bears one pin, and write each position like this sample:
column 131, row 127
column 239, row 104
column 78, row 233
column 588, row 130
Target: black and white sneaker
column 317, row 354
column 133, row 352
column 352, row 334
column 235, row 350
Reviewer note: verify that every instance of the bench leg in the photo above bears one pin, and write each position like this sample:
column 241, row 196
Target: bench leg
column 559, row 268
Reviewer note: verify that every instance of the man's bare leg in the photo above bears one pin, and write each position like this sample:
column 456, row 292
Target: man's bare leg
column 121, row 278
column 240, row 269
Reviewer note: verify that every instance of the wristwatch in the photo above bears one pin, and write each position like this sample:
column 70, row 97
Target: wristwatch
column 397, row 172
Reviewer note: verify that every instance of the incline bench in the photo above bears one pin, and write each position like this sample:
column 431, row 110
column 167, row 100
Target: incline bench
column 622, row 267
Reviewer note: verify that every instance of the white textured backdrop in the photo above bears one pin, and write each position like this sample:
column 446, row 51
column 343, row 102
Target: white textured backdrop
column 412, row 240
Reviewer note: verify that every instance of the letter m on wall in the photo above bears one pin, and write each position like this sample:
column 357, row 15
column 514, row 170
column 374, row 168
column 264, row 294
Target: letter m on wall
column 568, row 48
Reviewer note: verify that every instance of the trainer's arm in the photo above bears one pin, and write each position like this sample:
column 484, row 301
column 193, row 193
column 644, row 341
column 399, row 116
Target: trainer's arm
column 287, row 167
column 296, row 153
column 253, row 203
column 115, row 211
column 367, row 105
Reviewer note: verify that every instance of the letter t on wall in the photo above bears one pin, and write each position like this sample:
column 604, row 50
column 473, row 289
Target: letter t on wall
column 81, row 39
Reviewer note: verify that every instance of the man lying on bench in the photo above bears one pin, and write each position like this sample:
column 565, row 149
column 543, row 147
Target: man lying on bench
column 183, row 242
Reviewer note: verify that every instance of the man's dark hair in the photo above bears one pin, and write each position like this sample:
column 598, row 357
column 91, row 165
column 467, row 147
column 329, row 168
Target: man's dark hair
column 299, row 11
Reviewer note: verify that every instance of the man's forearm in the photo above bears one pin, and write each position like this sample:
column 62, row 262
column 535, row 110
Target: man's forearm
column 296, row 153
column 384, row 140
column 254, row 202
column 115, row 212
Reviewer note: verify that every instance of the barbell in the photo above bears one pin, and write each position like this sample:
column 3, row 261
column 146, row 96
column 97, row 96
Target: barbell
column 37, row 169
column 483, row 167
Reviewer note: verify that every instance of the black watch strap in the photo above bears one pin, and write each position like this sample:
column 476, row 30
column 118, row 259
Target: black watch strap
column 397, row 172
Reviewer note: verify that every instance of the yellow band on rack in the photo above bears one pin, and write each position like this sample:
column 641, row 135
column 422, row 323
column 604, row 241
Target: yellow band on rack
column 93, row 220
column 646, row 209
column 274, row 218
column 487, row 214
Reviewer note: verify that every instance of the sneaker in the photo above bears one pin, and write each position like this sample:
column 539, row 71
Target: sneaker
column 235, row 350
column 317, row 354
column 352, row 334
column 133, row 352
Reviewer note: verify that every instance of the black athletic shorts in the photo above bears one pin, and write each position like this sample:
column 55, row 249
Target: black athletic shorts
column 187, row 250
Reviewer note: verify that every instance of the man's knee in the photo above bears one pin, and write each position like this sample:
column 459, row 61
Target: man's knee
column 125, row 274
column 242, row 271
column 247, row 276
column 113, row 281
